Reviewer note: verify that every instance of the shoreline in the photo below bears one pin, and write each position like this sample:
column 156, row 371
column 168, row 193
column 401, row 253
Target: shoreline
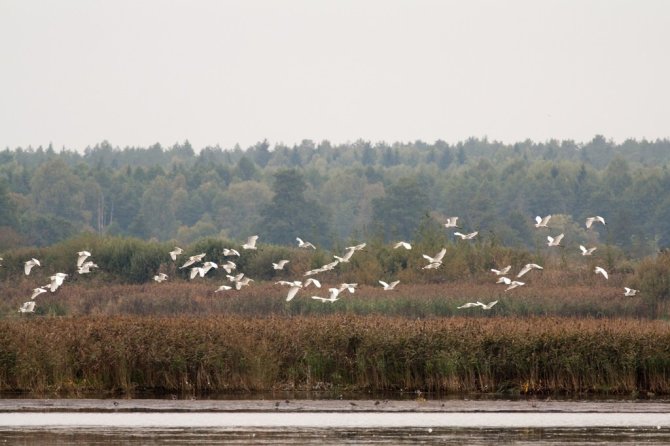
column 329, row 406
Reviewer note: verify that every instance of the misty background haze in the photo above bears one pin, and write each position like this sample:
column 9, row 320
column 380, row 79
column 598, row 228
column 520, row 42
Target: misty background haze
column 79, row 72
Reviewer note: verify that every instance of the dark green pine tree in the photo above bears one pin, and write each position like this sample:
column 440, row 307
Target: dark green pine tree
column 290, row 214
column 8, row 216
column 401, row 211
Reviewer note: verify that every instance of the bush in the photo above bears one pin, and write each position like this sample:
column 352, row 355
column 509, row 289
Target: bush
column 653, row 279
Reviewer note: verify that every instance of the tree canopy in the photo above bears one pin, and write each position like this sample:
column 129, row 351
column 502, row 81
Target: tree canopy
column 332, row 193
column 291, row 214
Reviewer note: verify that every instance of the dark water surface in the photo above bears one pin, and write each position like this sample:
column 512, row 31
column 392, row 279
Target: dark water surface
column 150, row 421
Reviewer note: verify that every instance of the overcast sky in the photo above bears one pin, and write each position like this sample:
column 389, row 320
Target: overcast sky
column 77, row 72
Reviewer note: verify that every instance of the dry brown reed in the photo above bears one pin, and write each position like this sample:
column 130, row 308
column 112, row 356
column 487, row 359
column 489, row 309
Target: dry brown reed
column 375, row 353
column 266, row 298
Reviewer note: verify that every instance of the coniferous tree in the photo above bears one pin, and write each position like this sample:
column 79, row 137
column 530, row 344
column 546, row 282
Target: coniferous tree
column 401, row 211
column 290, row 214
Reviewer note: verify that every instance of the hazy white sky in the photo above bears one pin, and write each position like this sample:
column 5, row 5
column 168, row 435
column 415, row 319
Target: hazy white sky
column 77, row 72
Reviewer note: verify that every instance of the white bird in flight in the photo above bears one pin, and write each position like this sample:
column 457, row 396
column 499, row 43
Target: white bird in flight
column 288, row 283
column 303, row 244
column 629, row 291
column 389, row 286
column 587, row 251
column 554, row 241
column 29, row 265
column 596, row 219
column 332, row 296
column 357, row 247
column 56, row 281
column 479, row 304
column 347, row 255
column 279, row 265
column 242, row 282
column 37, row 292
column 351, row 287
column 312, row 281
column 202, row 270
column 402, row 245
column 174, row 253
column 293, row 291
column 501, row 272
column 85, row 268
column 89, row 264
column 468, row 305
column 513, row 284
column 433, row 265
column 542, row 222
column 451, row 222
column 194, row 272
column 330, row 266
column 223, row 288
column 327, row 267
column 527, row 267
column 251, row 242
column 193, row 259
column 437, row 258
column 81, row 257
column 229, row 266
column 231, row 252
column 27, row 307
column 160, row 277
column 599, row 270
column 469, row 236
column 235, row 278
column 206, row 267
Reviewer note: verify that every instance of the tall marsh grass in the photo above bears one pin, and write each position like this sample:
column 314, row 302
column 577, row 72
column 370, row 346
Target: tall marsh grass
column 231, row 353
column 79, row 298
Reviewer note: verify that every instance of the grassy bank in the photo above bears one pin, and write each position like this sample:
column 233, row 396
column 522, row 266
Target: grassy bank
column 226, row 353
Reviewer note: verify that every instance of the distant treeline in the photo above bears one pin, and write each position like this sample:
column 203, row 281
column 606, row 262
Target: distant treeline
column 329, row 194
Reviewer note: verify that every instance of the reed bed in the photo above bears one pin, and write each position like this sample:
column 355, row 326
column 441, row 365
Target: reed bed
column 126, row 354
column 265, row 299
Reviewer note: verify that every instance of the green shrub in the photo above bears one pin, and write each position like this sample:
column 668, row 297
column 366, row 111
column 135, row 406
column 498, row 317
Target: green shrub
column 653, row 279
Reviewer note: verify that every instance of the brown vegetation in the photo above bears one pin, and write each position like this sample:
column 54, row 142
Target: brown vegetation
column 561, row 332
column 226, row 353
column 265, row 299
column 122, row 285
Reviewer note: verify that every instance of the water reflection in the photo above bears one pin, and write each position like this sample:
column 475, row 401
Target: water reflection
column 258, row 421
column 446, row 436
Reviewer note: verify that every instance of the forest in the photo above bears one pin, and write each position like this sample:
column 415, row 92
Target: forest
column 331, row 194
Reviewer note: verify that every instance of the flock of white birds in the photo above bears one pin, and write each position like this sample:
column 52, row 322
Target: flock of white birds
column 56, row 280
column 552, row 241
column 239, row 280
column 434, row 262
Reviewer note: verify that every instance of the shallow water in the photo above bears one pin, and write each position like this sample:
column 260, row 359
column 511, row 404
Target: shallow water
column 134, row 422
column 292, row 436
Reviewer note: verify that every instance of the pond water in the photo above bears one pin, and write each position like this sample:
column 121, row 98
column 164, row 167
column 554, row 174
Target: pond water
column 135, row 422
